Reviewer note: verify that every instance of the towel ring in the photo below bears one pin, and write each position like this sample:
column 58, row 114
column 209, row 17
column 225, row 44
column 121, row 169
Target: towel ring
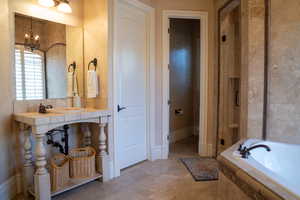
column 94, row 62
column 73, row 65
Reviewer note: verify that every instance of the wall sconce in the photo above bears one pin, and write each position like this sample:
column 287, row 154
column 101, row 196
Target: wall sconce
column 62, row 5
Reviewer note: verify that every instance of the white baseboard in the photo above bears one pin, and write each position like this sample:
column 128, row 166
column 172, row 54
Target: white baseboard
column 165, row 151
column 206, row 150
column 181, row 134
column 159, row 152
column 111, row 169
column 8, row 189
column 156, row 153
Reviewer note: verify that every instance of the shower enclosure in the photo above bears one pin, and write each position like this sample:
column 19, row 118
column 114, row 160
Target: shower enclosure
column 229, row 106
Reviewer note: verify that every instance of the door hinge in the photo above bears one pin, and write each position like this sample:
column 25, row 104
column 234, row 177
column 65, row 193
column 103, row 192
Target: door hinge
column 169, row 102
column 169, row 67
column 168, row 137
column 169, row 30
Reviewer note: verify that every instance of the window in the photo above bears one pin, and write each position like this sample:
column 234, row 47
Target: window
column 30, row 78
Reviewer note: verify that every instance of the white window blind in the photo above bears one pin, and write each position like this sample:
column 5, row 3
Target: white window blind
column 30, row 74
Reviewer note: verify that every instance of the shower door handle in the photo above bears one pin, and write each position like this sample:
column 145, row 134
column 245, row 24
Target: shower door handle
column 237, row 98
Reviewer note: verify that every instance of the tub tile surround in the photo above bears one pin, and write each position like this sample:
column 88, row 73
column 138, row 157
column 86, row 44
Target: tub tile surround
column 255, row 41
column 229, row 190
column 284, row 72
column 251, row 182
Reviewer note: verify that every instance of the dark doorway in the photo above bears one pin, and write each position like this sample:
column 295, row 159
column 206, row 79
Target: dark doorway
column 184, row 86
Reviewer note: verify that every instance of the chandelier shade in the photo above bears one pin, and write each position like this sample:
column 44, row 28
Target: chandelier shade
column 62, row 5
column 47, row 3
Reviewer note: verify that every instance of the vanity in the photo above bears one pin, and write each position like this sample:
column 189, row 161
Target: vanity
column 34, row 127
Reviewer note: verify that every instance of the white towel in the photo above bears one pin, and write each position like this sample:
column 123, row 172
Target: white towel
column 72, row 84
column 75, row 84
column 92, row 84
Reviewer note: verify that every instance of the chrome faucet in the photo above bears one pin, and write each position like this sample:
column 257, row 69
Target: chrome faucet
column 245, row 152
column 43, row 108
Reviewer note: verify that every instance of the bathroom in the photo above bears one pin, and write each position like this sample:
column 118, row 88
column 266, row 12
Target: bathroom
column 103, row 98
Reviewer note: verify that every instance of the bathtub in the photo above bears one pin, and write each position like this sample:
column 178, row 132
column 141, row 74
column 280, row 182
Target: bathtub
column 278, row 170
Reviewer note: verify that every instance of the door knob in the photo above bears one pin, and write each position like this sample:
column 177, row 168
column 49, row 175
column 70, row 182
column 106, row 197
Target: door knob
column 120, row 108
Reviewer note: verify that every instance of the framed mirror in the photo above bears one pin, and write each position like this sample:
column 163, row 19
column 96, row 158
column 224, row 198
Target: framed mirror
column 48, row 59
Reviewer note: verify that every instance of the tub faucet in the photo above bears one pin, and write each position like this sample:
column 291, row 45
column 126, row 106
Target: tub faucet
column 245, row 152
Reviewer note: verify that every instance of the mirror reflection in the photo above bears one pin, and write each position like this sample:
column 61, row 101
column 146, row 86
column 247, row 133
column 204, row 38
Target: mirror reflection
column 48, row 56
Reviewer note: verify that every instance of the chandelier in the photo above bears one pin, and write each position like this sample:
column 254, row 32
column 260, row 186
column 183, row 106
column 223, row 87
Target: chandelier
column 31, row 41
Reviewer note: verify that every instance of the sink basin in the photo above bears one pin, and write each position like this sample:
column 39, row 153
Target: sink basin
column 66, row 110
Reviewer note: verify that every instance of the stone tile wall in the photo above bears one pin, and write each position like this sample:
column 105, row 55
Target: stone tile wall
column 284, row 72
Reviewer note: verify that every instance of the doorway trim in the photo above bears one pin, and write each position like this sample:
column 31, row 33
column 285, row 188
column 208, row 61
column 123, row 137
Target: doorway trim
column 204, row 149
column 150, row 76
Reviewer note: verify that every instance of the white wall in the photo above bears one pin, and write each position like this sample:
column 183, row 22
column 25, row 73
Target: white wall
column 31, row 8
column 193, row 5
column 6, row 136
column 96, row 32
column 8, row 143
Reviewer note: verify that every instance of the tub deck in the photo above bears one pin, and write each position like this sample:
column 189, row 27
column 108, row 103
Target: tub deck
column 251, row 178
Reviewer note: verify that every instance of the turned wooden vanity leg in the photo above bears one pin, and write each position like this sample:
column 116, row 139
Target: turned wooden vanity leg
column 102, row 140
column 28, row 164
column 42, row 185
column 87, row 136
column 102, row 156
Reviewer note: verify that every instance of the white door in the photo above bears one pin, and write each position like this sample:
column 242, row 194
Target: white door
column 130, row 66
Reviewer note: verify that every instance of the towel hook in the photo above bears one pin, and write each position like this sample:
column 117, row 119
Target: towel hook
column 73, row 65
column 94, row 62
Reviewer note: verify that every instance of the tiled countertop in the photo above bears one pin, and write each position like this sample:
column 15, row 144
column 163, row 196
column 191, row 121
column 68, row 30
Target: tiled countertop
column 38, row 119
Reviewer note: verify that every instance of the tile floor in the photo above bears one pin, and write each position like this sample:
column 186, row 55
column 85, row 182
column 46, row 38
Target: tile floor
column 184, row 148
column 158, row 180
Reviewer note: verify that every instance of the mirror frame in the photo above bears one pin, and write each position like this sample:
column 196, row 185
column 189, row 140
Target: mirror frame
column 13, row 43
